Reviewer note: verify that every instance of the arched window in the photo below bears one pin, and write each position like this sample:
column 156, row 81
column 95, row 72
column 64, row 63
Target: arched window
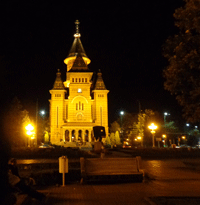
column 79, row 117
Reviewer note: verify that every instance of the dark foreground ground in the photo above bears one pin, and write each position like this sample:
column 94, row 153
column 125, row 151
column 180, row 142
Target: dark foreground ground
column 171, row 177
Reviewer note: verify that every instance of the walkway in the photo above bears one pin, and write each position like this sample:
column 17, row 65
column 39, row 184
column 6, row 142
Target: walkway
column 167, row 182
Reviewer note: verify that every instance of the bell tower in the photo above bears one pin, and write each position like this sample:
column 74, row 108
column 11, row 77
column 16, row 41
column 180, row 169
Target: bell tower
column 73, row 116
column 57, row 108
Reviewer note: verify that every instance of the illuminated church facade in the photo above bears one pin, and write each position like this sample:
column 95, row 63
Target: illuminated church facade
column 77, row 104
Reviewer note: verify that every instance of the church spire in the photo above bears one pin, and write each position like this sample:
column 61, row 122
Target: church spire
column 58, row 84
column 76, row 49
column 99, row 83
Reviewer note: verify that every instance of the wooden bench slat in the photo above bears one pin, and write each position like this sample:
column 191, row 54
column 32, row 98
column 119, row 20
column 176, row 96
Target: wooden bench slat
column 109, row 166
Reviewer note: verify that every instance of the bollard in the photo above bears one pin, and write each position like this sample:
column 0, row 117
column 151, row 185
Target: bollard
column 63, row 167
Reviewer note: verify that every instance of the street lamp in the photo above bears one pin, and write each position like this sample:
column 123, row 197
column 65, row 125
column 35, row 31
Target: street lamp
column 30, row 132
column 121, row 114
column 42, row 113
column 153, row 127
column 165, row 114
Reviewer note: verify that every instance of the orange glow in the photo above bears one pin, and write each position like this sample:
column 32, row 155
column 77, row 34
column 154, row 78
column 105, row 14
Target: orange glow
column 29, row 129
column 152, row 126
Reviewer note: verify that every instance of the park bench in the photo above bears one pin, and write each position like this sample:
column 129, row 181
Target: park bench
column 111, row 169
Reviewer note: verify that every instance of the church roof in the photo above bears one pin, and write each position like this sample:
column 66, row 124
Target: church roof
column 99, row 82
column 58, row 84
column 77, row 47
column 79, row 65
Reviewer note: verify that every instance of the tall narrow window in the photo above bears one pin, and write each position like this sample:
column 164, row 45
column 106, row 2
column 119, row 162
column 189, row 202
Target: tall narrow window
column 86, row 80
column 72, row 80
column 101, row 117
column 82, row 106
column 82, row 80
column 79, row 105
column 66, row 111
column 76, row 106
column 57, row 117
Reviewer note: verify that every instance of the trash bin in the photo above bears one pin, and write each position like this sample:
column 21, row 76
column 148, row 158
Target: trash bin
column 63, row 164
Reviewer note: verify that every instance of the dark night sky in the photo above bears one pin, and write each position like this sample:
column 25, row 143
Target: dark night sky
column 122, row 39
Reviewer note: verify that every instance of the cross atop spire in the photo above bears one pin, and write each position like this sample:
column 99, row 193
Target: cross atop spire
column 77, row 34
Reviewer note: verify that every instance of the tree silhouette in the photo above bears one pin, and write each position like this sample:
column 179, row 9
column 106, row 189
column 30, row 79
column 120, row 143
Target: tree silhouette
column 183, row 54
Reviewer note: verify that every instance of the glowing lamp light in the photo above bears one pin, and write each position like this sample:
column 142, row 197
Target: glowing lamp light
column 152, row 127
column 29, row 129
column 42, row 112
column 122, row 113
column 139, row 138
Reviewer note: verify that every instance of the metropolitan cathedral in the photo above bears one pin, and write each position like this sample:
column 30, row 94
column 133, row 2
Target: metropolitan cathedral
column 79, row 103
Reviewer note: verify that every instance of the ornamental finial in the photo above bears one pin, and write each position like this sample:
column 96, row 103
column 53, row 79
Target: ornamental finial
column 77, row 26
column 77, row 34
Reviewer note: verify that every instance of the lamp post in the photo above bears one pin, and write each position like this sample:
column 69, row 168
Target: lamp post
column 30, row 132
column 153, row 127
column 121, row 115
column 165, row 114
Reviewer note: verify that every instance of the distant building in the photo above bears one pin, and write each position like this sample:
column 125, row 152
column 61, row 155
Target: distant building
column 77, row 104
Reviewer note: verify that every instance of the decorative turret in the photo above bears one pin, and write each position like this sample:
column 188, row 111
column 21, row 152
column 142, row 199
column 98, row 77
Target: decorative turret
column 76, row 49
column 99, row 82
column 58, row 84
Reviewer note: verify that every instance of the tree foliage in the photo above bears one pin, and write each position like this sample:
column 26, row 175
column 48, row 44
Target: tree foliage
column 142, row 120
column 183, row 53
column 117, row 138
column 14, row 124
column 112, row 139
column 114, row 127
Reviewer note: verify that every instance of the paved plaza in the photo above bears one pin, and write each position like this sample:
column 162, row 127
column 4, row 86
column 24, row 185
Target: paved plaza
column 166, row 182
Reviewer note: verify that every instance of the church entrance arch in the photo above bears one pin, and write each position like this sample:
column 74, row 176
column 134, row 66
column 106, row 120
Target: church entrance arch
column 73, row 136
column 92, row 136
column 80, row 139
column 66, row 135
column 86, row 135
